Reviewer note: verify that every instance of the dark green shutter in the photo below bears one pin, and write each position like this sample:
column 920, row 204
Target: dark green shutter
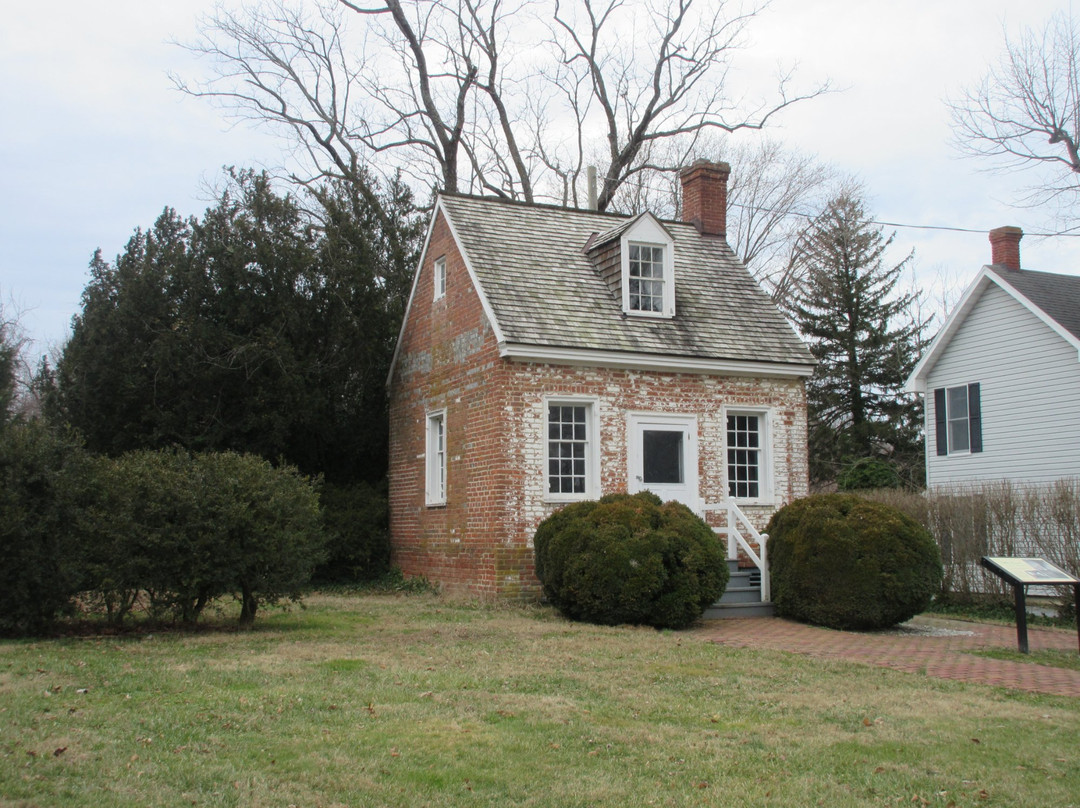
column 941, row 428
column 975, row 417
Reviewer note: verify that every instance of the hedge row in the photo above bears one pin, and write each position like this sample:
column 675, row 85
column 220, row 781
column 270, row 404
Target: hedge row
column 995, row 519
column 167, row 531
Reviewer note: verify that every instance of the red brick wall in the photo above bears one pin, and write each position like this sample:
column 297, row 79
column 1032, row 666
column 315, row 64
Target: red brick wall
column 446, row 357
column 481, row 540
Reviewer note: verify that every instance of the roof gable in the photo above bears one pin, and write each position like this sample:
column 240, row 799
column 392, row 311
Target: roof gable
column 1052, row 298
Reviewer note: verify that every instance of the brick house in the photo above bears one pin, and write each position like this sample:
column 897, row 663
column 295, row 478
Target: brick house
column 549, row 355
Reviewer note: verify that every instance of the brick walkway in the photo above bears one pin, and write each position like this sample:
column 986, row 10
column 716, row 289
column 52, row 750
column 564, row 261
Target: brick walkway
column 939, row 653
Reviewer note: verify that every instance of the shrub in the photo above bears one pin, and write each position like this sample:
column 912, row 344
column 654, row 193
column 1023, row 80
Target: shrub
column 868, row 473
column 356, row 520
column 630, row 559
column 151, row 533
column 41, row 478
column 996, row 519
column 844, row 562
column 264, row 526
column 187, row 529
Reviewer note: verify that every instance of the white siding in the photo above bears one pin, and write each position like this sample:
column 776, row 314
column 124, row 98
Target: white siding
column 1030, row 390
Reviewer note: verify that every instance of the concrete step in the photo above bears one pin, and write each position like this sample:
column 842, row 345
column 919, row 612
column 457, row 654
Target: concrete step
column 722, row 611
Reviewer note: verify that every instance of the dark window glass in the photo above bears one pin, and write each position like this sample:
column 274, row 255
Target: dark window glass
column 662, row 459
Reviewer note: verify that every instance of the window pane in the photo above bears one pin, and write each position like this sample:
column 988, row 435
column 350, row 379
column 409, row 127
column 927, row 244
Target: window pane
column 567, row 449
column 957, row 408
column 662, row 459
column 436, row 459
column 646, row 278
column 744, row 456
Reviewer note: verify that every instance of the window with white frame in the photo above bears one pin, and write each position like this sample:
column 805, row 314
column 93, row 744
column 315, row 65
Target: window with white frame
column 746, row 455
column 646, row 278
column 435, row 459
column 957, row 408
column 647, row 263
column 440, row 277
column 571, row 450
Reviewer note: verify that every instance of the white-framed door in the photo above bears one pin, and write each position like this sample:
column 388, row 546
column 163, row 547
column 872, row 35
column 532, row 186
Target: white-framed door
column 663, row 457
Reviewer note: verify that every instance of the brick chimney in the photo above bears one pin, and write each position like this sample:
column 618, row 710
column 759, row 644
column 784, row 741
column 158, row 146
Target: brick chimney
column 704, row 196
column 1005, row 246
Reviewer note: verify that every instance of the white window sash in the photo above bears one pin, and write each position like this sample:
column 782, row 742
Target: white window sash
column 435, row 459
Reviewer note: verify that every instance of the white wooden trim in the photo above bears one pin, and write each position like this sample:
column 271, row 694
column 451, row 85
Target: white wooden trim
column 592, row 449
column 590, row 357
column 440, row 207
column 635, row 421
column 655, row 235
column 766, row 489
column 439, row 277
column 916, row 382
column 484, row 302
column 432, row 499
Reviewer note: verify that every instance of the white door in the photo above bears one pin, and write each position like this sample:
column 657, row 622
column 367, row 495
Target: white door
column 663, row 457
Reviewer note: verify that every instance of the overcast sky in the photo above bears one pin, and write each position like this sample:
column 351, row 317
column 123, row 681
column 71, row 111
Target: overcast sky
column 96, row 141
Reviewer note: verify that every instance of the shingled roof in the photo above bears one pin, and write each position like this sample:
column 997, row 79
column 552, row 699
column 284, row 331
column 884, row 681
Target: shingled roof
column 1058, row 296
column 530, row 267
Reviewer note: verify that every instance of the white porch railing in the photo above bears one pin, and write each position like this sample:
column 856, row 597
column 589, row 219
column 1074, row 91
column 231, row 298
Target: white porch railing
column 741, row 533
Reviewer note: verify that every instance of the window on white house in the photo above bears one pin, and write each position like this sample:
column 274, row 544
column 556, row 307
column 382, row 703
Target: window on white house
column 745, row 455
column 570, row 450
column 440, row 277
column 646, row 278
column 959, row 430
column 958, row 419
column 435, row 487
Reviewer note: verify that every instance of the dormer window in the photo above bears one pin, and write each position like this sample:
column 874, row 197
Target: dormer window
column 646, row 278
column 648, row 268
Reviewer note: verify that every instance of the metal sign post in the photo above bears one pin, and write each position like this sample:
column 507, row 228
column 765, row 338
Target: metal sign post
column 1022, row 572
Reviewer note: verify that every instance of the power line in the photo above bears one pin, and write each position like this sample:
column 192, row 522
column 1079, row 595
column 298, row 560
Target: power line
column 941, row 227
column 640, row 183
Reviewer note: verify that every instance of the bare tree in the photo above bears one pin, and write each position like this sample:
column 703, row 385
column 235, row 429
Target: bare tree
column 658, row 72
column 15, row 373
column 276, row 64
column 429, row 88
column 772, row 193
column 1026, row 112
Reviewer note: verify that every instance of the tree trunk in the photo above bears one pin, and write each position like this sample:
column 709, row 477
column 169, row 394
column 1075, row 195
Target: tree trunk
column 249, row 605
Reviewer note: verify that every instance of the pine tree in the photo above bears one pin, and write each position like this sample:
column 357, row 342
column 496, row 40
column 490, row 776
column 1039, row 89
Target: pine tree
column 866, row 336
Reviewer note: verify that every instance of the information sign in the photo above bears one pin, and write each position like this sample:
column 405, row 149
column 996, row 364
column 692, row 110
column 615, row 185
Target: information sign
column 1023, row 572
column 1032, row 570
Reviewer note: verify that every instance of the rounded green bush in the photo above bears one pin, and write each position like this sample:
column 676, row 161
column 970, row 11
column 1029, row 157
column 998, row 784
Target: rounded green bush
column 848, row 563
column 630, row 559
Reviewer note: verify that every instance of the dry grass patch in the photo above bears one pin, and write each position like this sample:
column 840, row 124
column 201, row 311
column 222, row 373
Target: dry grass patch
column 391, row 701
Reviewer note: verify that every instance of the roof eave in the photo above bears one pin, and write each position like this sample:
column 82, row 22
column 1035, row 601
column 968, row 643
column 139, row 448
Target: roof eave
column 916, row 381
column 989, row 274
column 623, row 360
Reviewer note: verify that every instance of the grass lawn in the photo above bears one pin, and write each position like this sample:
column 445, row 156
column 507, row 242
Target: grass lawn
column 414, row 701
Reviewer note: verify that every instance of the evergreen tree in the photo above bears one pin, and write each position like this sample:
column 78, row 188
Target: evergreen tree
column 866, row 336
column 255, row 329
